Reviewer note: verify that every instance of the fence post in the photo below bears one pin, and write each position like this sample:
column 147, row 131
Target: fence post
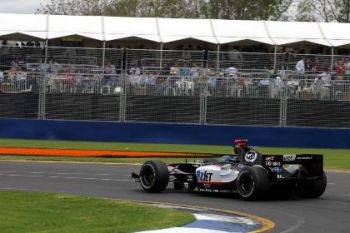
column 103, row 56
column 283, row 107
column 332, row 59
column 123, row 93
column 218, row 58
column 203, row 100
column 161, row 58
column 42, row 86
column 275, row 60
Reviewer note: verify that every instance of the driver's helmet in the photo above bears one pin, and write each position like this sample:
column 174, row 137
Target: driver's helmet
column 240, row 145
column 226, row 159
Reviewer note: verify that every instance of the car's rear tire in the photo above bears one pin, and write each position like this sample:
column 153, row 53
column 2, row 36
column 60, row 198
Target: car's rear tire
column 314, row 189
column 253, row 183
column 154, row 176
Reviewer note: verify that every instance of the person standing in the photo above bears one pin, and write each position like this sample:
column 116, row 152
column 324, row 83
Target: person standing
column 300, row 66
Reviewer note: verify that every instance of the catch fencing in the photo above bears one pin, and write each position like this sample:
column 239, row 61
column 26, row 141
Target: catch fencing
column 195, row 87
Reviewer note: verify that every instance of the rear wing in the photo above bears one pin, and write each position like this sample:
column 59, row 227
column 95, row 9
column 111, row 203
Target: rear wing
column 312, row 163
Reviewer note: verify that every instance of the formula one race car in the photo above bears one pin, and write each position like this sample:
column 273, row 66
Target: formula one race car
column 248, row 173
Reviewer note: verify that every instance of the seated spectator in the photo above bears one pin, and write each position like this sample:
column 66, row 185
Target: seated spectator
column 69, row 78
column 78, row 78
column 286, row 58
column 231, row 72
column 308, row 65
column 53, row 67
column 195, row 71
column 319, row 87
column 316, row 66
column 174, row 70
column 300, row 67
column 212, row 80
column 276, row 87
column 12, row 75
column 14, row 65
column 340, row 68
column 326, row 76
column 111, row 74
column 21, row 75
column 110, row 69
column 235, row 55
column 2, row 78
column 347, row 67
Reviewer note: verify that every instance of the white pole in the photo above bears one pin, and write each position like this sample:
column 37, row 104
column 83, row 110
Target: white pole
column 161, row 58
column 275, row 60
column 103, row 55
column 332, row 59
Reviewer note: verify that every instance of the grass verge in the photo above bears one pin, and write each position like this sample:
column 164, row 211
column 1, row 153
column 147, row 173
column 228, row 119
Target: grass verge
column 333, row 158
column 22, row 212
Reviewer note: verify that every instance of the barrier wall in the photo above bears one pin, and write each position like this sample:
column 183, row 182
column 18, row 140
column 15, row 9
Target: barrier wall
column 174, row 133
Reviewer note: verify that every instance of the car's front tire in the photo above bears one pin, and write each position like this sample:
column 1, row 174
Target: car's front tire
column 154, row 176
column 253, row 183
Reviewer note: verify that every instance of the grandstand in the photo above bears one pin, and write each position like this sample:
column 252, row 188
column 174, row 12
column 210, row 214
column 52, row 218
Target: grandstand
column 192, row 71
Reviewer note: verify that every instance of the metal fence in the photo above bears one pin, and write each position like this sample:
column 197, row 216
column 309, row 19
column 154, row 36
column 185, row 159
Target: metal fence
column 197, row 87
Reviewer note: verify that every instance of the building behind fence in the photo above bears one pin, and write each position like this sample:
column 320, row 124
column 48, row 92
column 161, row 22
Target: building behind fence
column 196, row 87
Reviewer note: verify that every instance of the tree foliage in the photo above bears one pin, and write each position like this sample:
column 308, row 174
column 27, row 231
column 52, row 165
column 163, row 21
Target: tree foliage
column 222, row 9
column 324, row 10
column 243, row 9
column 71, row 7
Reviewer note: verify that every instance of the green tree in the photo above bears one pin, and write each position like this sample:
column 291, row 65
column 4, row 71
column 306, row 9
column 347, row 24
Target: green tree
column 245, row 9
column 72, row 7
column 221, row 9
column 324, row 10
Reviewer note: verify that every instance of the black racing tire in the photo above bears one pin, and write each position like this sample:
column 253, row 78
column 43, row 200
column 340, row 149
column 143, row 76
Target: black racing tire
column 154, row 176
column 316, row 188
column 253, row 183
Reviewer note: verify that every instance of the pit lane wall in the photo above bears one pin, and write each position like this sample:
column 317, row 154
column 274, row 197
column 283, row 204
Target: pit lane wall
column 174, row 133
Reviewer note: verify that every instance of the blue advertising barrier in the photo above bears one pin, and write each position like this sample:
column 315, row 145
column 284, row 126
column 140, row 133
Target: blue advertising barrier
column 174, row 133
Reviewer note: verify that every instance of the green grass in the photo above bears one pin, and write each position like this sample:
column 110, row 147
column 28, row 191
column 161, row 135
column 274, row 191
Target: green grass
column 23, row 212
column 110, row 146
column 333, row 158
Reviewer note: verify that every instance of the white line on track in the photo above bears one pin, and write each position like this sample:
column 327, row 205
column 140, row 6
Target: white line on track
column 53, row 173
column 68, row 173
column 71, row 177
column 299, row 224
column 65, row 177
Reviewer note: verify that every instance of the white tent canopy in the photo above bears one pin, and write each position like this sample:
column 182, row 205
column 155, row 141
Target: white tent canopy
column 165, row 30
column 87, row 26
column 228, row 31
column 123, row 27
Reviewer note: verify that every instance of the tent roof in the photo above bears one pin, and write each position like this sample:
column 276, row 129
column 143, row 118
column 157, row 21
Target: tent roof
column 228, row 31
column 123, row 27
column 165, row 30
column 32, row 25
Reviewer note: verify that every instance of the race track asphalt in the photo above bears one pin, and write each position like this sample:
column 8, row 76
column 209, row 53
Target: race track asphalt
column 330, row 213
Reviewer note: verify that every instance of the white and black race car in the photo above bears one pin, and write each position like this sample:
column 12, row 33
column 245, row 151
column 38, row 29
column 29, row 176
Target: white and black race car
column 248, row 173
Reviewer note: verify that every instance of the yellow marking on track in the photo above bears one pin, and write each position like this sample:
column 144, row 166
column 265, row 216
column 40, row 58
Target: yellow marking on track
column 267, row 224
